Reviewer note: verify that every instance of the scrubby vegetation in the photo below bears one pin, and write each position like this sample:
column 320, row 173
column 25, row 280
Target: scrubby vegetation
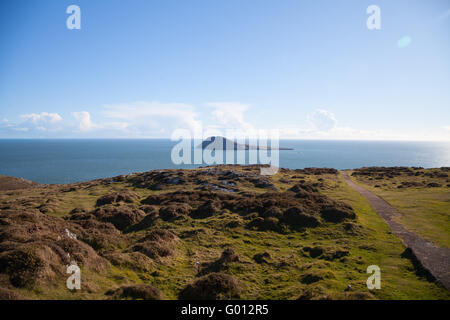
column 220, row 232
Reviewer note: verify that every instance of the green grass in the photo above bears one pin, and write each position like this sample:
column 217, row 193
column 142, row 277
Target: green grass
column 282, row 277
column 398, row 280
column 423, row 210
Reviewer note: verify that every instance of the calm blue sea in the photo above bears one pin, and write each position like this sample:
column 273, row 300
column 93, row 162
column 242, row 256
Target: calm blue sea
column 65, row 161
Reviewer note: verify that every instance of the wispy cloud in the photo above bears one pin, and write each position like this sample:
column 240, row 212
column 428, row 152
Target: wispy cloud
column 150, row 118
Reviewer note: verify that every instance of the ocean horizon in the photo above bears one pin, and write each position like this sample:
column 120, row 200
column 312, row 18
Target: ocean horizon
column 58, row 161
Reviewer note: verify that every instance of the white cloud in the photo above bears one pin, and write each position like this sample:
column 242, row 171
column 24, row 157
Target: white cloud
column 230, row 115
column 148, row 118
column 43, row 121
column 157, row 119
column 84, row 120
column 43, row 117
column 160, row 120
column 322, row 120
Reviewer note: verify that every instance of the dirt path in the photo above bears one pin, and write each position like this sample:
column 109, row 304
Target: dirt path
column 435, row 260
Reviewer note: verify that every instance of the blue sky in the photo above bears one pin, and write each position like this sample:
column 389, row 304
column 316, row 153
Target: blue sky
column 141, row 69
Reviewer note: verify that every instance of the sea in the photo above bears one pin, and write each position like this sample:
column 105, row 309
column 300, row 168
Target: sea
column 59, row 161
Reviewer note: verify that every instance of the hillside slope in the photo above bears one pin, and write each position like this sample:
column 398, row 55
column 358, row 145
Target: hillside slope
column 209, row 233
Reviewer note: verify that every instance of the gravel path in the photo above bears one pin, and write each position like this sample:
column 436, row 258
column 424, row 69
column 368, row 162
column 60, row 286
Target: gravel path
column 435, row 260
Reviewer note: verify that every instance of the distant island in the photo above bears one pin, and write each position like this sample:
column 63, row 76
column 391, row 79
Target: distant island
column 222, row 143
